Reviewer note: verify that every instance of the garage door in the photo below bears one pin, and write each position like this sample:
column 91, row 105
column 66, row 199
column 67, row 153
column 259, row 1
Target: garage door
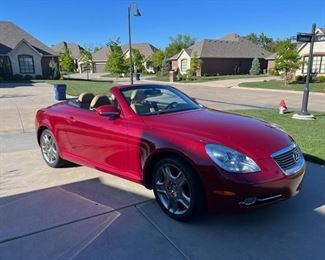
column 99, row 67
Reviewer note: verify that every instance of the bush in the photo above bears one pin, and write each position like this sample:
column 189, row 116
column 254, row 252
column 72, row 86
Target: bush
column 299, row 78
column 189, row 74
column 180, row 76
column 321, row 79
column 38, row 77
column 28, row 77
column 274, row 72
column 18, row 77
column 255, row 69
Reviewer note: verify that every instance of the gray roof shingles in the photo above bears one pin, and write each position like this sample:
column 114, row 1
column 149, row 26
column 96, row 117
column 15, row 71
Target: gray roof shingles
column 74, row 48
column 146, row 49
column 11, row 35
column 101, row 54
column 230, row 46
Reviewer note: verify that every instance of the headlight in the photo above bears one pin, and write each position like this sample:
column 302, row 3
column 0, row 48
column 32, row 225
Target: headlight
column 231, row 160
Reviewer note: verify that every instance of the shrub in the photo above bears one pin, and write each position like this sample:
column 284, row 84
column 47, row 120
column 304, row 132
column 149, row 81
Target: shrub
column 321, row 79
column 274, row 72
column 299, row 78
column 255, row 69
column 180, row 76
column 28, row 77
column 189, row 74
column 38, row 77
column 18, row 77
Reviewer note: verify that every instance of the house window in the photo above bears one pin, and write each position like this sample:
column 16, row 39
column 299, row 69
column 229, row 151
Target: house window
column 26, row 64
column 318, row 65
column 183, row 65
column 322, row 65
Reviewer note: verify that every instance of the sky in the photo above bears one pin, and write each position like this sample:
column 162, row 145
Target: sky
column 96, row 22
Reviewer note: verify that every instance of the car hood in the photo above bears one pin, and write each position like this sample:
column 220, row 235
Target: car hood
column 251, row 136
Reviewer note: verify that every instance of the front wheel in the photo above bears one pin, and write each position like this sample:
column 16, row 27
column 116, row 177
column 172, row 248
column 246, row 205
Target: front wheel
column 177, row 188
column 49, row 150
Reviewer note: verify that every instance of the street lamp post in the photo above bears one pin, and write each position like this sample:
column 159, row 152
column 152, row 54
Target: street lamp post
column 136, row 12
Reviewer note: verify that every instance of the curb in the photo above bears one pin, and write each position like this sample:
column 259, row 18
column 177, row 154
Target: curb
column 280, row 91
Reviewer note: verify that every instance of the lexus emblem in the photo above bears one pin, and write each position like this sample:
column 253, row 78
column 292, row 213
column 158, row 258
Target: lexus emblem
column 296, row 156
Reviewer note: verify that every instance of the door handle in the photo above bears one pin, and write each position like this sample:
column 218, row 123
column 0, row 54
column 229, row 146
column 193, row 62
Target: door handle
column 71, row 119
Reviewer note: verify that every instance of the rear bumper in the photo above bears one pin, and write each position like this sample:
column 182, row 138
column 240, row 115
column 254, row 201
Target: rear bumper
column 231, row 191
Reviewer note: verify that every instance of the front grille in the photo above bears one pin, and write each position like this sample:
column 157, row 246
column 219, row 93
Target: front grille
column 290, row 159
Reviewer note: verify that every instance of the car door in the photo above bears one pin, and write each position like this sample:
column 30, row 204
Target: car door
column 98, row 141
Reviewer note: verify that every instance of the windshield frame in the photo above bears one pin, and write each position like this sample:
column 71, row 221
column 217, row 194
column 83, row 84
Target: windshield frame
column 192, row 103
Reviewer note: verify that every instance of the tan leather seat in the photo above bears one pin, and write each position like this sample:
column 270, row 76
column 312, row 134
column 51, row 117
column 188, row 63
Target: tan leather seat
column 138, row 102
column 99, row 101
column 84, row 99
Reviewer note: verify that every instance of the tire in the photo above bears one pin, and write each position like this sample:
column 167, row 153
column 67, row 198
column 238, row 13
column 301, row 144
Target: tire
column 177, row 189
column 50, row 151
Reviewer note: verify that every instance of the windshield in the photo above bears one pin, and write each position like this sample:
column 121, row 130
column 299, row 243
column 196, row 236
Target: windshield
column 153, row 100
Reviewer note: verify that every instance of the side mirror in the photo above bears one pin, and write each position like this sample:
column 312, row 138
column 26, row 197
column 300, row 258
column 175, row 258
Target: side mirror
column 109, row 111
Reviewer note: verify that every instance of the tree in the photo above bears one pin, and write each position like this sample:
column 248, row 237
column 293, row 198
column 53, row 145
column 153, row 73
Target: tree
column 115, row 61
column 252, row 37
column 66, row 61
column 195, row 64
column 137, row 60
column 255, row 69
column 165, row 66
column 156, row 60
column 181, row 41
column 87, row 61
column 287, row 60
column 262, row 41
column 54, row 69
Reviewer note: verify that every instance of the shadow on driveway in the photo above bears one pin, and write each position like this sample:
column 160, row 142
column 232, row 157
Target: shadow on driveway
column 16, row 84
column 95, row 220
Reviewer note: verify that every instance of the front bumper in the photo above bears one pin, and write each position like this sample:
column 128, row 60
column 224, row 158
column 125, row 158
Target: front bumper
column 230, row 191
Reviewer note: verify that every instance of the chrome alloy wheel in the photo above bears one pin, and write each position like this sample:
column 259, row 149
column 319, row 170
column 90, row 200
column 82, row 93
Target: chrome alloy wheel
column 173, row 189
column 49, row 149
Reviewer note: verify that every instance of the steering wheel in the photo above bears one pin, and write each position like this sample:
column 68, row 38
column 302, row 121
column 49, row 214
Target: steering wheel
column 171, row 105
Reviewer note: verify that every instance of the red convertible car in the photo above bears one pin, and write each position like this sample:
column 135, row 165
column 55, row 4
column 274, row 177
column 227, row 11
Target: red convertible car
column 191, row 156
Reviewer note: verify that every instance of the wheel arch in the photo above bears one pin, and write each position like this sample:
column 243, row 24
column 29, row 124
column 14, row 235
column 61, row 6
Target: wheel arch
column 158, row 155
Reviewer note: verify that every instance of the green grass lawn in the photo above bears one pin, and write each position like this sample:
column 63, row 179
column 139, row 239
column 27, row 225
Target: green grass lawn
column 208, row 78
column 275, row 84
column 76, row 87
column 309, row 135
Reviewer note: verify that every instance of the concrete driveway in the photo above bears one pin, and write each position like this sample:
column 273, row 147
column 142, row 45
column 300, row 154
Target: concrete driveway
column 80, row 213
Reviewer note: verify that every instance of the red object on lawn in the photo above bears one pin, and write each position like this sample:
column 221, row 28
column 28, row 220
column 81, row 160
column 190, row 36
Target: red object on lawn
column 283, row 104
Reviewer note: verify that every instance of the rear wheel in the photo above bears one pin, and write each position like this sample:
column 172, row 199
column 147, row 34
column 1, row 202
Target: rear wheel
column 50, row 150
column 177, row 188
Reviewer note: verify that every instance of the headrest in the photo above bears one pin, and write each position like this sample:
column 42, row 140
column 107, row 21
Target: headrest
column 85, row 97
column 137, row 95
column 99, row 101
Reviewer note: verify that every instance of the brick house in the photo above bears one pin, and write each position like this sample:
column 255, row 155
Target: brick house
column 231, row 54
column 21, row 53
